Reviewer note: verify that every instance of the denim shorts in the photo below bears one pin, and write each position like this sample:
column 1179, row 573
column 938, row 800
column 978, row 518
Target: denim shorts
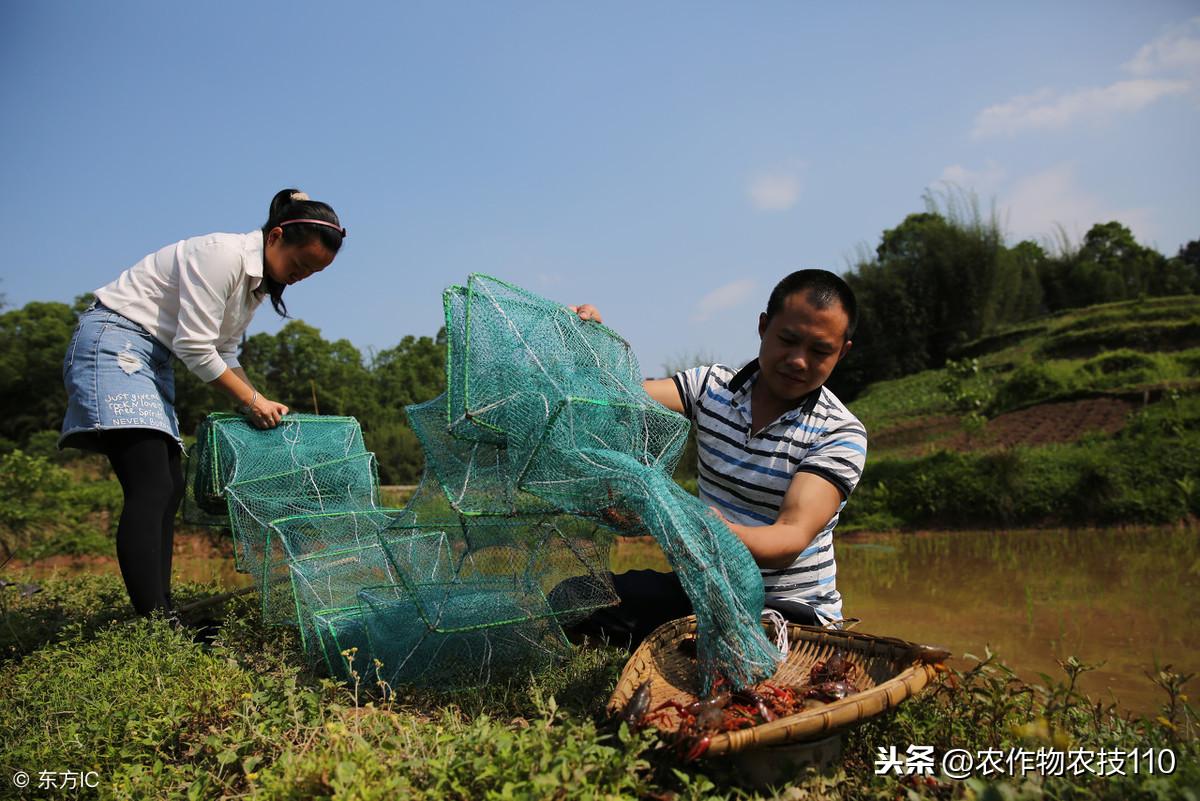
column 117, row 376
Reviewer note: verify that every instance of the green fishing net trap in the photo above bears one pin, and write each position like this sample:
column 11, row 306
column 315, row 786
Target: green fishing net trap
column 542, row 450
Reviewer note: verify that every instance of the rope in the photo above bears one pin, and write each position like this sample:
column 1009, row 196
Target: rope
column 782, row 642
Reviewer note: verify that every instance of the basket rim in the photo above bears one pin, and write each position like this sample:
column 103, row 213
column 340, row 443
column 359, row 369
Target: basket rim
column 807, row 724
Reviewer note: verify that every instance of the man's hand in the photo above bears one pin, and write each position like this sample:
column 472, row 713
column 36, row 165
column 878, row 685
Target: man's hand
column 587, row 312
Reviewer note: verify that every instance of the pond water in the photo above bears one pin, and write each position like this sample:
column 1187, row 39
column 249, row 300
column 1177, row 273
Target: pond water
column 1124, row 598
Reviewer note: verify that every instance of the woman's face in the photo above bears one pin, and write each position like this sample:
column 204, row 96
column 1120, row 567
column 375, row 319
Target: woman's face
column 288, row 264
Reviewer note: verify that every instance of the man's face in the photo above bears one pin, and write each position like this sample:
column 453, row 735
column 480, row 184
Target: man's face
column 800, row 346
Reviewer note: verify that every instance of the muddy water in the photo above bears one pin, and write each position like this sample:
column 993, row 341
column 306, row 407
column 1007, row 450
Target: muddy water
column 200, row 558
column 1121, row 597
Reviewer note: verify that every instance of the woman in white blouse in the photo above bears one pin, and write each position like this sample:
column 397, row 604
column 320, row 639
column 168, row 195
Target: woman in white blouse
column 193, row 299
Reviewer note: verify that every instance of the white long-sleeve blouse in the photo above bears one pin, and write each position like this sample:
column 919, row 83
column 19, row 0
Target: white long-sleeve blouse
column 196, row 297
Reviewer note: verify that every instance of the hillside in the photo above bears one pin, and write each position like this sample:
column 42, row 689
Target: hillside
column 1061, row 390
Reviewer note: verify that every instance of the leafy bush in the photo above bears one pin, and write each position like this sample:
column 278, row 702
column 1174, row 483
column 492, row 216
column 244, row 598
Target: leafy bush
column 1120, row 361
column 1030, row 383
column 1127, row 368
column 27, row 485
column 912, row 395
column 967, row 387
column 1189, row 361
column 44, row 511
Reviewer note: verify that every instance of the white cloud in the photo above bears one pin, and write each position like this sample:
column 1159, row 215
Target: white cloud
column 1037, row 204
column 775, row 190
column 983, row 180
column 723, row 297
column 1169, row 65
column 1050, row 110
column 1176, row 51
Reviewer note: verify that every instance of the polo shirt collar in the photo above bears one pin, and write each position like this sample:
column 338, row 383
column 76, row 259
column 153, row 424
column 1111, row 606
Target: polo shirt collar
column 252, row 259
column 743, row 381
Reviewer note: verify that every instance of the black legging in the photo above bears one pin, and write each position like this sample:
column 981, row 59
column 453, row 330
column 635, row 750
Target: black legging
column 147, row 464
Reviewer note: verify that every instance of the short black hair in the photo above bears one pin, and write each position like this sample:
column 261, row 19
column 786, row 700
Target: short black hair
column 823, row 288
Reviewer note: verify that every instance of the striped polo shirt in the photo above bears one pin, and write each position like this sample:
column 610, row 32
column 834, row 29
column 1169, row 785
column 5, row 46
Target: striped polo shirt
column 745, row 474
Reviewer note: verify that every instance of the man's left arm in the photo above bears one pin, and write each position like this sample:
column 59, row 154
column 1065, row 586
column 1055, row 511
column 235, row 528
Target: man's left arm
column 808, row 505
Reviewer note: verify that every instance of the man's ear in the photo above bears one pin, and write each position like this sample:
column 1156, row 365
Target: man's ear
column 762, row 324
column 845, row 349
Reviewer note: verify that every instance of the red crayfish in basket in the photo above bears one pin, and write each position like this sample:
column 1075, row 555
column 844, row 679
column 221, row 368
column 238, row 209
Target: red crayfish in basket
column 724, row 711
column 833, row 679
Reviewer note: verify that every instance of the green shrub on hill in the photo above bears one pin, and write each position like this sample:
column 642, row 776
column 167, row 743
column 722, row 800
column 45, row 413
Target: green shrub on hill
column 1033, row 382
column 44, row 511
column 1155, row 335
column 1189, row 362
column 918, row 394
column 1146, row 474
column 1150, row 310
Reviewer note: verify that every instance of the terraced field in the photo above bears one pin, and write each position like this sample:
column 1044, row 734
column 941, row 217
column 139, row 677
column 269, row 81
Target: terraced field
column 1086, row 417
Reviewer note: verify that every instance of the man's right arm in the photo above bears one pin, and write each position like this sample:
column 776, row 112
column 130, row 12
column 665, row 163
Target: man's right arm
column 665, row 391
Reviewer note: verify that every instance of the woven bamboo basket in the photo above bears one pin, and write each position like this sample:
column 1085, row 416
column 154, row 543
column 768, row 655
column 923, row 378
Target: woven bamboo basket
column 890, row 670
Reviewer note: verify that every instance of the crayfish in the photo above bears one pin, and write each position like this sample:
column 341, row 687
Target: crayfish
column 634, row 713
column 836, row 668
column 698, row 721
column 830, row 691
column 725, row 711
column 832, row 679
column 621, row 519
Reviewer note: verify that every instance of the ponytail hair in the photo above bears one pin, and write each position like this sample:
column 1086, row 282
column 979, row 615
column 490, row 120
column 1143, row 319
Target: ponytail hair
column 302, row 220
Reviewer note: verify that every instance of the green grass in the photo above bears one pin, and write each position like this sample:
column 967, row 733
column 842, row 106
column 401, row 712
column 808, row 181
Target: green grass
column 889, row 402
column 157, row 716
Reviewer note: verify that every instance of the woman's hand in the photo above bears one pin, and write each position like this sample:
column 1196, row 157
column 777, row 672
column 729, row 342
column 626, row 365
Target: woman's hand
column 264, row 413
column 587, row 312
column 259, row 411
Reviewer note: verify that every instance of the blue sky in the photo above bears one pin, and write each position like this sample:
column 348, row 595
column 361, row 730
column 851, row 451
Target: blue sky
column 665, row 161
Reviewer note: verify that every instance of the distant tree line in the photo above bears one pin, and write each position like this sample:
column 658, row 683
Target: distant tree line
column 940, row 279
column 296, row 366
column 945, row 277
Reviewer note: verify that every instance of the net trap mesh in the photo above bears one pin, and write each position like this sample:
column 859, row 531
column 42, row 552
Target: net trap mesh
column 543, row 448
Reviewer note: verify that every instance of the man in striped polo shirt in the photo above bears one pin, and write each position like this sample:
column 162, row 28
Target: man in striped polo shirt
column 779, row 455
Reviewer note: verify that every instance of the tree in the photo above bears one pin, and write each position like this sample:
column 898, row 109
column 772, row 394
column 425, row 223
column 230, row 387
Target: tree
column 935, row 282
column 411, row 372
column 299, row 368
column 33, row 342
column 1108, row 266
column 1182, row 273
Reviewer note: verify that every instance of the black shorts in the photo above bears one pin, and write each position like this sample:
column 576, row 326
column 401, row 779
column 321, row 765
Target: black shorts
column 650, row 598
